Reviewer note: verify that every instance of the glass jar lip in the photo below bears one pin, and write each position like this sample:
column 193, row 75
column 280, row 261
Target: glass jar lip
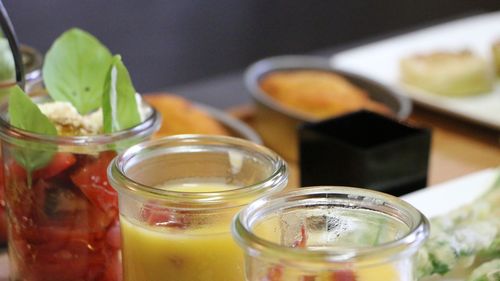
column 147, row 127
column 276, row 181
column 255, row 245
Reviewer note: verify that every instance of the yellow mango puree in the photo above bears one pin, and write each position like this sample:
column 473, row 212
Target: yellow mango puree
column 154, row 253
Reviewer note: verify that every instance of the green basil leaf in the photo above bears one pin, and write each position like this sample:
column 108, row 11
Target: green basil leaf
column 119, row 106
column 75, row 69
column 24, row 114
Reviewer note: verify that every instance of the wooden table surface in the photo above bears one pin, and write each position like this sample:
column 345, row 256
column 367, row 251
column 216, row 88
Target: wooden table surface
column 458, row 147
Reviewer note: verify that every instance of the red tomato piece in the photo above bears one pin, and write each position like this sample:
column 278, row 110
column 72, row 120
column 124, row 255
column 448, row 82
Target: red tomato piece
column 15, row 171
column 3, row 226
column 2, row 189
column 302, row 242
column 63, row 254
column 60, row 162
column 161, row 216
column 92, row 180
column 274, row 273
column 26, row 203
column 113, row 237
column 343, row 275
column 20, row 201
column 71, row 259
column 99, row 221
column 114, row 270
column 51, row 237
column 63, row 265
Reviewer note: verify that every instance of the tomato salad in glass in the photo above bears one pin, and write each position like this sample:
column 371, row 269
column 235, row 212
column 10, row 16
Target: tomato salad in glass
column 62, row 214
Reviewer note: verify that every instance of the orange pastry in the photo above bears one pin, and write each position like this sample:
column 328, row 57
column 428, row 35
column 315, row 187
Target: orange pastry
column 182, row 117
column 318, row 94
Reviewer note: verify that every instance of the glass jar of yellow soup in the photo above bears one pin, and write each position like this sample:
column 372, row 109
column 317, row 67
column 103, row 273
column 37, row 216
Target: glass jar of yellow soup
column 330, row 234
column 177, row 197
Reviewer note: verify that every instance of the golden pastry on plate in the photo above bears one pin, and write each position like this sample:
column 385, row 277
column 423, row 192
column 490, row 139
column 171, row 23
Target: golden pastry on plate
column 447, row 73
column 319, row 94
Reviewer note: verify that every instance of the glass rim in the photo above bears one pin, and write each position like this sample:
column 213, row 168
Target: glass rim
column 147, row 127
column 251, row 243
column 121, row 182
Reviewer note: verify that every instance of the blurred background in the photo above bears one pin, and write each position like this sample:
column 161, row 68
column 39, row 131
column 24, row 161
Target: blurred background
column 167, row 43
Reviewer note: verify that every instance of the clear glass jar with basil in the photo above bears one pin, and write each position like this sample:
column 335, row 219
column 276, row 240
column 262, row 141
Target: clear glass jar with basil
column 56, row 146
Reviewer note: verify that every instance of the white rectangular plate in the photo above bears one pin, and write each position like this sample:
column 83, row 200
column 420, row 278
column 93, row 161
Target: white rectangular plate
column 380, row 61
column 442, row 198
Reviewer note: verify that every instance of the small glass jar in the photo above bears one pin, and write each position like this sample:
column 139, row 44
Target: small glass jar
column 177, row 198
column 330, row 234
column 32, row 62
column 62, row 215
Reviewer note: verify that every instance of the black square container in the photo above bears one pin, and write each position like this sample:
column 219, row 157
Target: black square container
column 364, row 149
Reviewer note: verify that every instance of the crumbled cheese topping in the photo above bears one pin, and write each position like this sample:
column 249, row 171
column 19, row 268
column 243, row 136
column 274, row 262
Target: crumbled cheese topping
column 69, row 122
